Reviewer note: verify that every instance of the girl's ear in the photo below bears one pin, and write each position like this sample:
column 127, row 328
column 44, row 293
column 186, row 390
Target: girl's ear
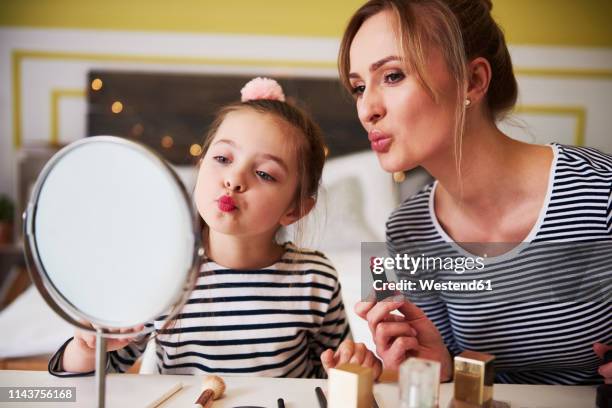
column 295, row 212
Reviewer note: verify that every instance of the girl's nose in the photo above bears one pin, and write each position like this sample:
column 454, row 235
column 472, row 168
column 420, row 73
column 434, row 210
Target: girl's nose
column 234, row 184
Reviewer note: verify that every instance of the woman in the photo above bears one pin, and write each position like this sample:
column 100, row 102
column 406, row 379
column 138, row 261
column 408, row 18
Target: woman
column 431, row 78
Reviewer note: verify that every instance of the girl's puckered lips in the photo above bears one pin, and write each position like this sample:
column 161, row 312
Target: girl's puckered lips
column 226, row 204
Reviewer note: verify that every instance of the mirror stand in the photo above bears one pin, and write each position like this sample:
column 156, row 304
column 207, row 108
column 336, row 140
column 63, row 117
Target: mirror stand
column 100, row 366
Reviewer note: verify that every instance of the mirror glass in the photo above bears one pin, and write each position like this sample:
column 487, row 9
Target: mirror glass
column 111, row 235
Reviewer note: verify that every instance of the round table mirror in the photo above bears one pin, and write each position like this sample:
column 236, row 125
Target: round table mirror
column 111, row 238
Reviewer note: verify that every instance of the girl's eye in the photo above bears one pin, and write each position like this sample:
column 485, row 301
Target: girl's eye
column 394, row 77
column 221, row 159
column 358, row 90
column 265, row 176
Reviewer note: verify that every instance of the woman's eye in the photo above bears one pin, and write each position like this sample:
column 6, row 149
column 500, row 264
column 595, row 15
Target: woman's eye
column 394, row 77
column 265, row 176
column 358, row 90
column 221, row 159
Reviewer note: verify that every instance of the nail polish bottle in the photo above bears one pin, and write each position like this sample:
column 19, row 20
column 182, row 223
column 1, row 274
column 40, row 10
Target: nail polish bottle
column 419, row 381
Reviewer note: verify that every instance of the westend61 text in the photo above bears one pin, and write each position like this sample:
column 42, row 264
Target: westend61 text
column 430, row 284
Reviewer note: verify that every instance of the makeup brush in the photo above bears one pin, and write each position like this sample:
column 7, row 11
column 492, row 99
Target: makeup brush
column 214, row 387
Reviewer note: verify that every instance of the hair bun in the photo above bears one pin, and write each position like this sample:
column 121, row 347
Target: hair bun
column 488, row 4
column 262, row 88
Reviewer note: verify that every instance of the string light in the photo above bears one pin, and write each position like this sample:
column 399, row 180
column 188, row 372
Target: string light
column 167, row 142
column 137, row 129
column 117, row 107
column 96, row 84
column 195, row 150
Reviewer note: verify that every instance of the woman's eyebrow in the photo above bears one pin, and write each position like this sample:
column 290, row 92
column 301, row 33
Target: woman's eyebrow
column 375, row 65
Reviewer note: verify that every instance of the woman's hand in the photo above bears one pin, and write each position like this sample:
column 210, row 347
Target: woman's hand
column 605, row 370
column 350, row 352
column 410, row 335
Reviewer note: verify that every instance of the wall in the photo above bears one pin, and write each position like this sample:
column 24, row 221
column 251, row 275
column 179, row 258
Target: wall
column 562, row 51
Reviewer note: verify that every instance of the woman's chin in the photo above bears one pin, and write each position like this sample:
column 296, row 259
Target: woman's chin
column 390, row 164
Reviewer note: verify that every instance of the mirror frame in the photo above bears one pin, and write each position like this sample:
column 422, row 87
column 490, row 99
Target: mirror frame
column 58, row 303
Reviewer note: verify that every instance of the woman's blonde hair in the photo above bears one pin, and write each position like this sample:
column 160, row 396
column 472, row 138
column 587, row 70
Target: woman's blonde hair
column 462, row 30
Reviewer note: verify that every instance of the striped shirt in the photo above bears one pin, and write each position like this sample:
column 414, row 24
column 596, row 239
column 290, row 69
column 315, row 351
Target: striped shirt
column 544, row 341
column 272, row 322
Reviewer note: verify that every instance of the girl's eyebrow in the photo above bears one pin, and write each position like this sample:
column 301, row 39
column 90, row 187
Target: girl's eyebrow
column 265, row 156
column 226, row 141
column 275, row 159
column 375, row 65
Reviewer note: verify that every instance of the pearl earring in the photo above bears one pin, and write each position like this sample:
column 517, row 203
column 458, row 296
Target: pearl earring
column 399, row 176
column 467, row 102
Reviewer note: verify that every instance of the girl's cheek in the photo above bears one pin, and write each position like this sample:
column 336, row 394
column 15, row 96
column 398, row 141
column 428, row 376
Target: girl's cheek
column 199, row 194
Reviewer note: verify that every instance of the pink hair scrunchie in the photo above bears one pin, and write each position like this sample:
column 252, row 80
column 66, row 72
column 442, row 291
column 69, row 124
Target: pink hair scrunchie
column 262, row 88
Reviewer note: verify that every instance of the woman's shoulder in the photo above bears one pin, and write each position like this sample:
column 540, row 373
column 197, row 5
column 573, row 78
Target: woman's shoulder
column 413, row 207
column 589, row 160
column 413, row 220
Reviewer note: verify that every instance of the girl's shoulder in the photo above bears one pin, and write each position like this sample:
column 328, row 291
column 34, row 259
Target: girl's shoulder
column 305, row 258
column 293, row 252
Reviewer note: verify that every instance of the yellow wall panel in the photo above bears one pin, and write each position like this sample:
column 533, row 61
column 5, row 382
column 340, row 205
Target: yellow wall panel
column 544, row 22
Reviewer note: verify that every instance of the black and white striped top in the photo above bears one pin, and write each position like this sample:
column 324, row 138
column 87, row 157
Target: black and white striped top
column 272, row 322
column 535, row 342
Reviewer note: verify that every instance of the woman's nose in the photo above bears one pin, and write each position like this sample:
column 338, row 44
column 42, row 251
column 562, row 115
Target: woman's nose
column 372, row 108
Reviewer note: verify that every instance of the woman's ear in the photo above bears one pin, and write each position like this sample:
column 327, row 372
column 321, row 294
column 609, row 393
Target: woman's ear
column 295, row 212
column 479, row 78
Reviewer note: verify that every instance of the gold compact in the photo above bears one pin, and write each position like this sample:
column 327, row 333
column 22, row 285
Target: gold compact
column 474, row 375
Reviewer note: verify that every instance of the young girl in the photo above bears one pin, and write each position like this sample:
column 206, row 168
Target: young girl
column 258, row 307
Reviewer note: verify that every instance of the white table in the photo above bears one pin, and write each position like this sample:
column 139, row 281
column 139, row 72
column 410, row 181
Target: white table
column 133, row 390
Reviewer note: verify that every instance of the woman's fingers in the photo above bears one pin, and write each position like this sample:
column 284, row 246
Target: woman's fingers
column 362, row 308
column 600, row 349
column 410, row 310
column 606, row 372
column 386, row 332
column 379, row 312
column 396, row 353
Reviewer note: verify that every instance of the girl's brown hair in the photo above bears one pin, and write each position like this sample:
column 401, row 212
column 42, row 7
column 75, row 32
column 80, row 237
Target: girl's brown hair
column 462, row 30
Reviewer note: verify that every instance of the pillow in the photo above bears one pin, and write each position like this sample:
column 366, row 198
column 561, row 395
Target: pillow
column 379, row 191
column 29, row 327
column 355, row 200
column 337, row 222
